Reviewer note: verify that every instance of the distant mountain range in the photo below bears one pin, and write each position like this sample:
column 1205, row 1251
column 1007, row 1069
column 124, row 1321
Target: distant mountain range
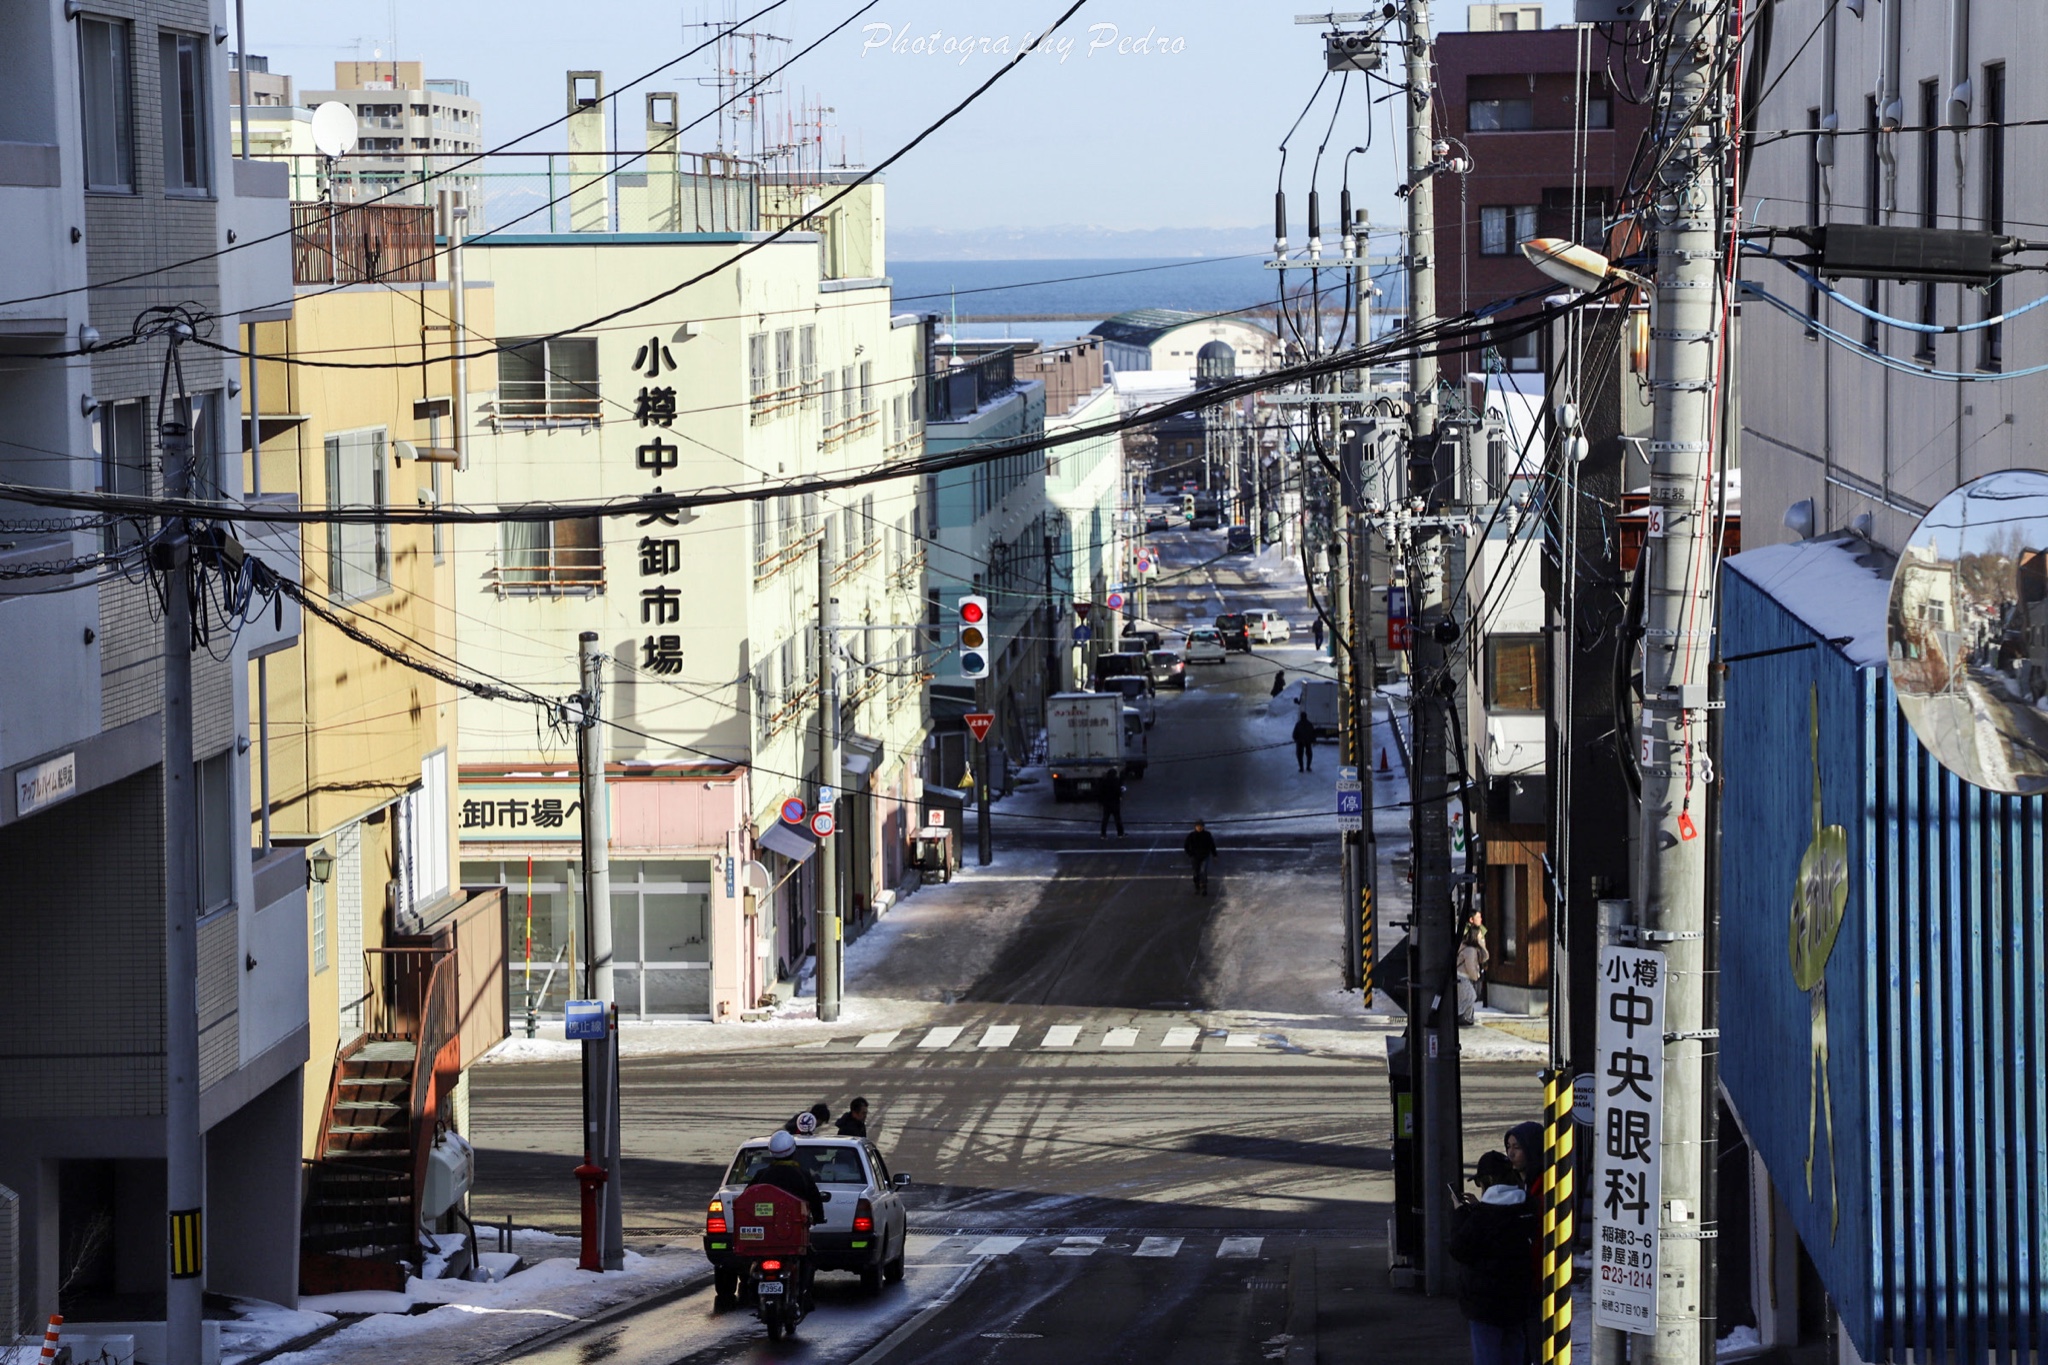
column 1072, row 242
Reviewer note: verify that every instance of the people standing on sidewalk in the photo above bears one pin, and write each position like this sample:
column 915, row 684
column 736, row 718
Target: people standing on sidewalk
column 1200, row 848
column 1491, row 1240
column 1110, row 792
column 1472, row 960
column 1304, row 744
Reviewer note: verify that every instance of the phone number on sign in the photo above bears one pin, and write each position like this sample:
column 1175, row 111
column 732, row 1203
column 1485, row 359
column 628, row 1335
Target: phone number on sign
column 1627, row 1279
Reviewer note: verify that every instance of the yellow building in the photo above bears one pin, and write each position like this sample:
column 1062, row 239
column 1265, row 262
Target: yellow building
column 356, row 755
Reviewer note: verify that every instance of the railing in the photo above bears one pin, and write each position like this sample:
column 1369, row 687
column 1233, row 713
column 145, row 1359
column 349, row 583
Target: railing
column 959, row 391
column 420, row 1000
column 553, row 571
column 343, row 244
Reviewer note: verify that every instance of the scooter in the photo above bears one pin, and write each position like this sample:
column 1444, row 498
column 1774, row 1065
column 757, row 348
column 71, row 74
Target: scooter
column 773, row 1237
column 777, row 1283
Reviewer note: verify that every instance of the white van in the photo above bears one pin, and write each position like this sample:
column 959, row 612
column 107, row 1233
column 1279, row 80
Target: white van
column 1264, row 626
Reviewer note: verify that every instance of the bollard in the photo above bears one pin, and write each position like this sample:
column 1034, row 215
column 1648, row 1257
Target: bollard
column 591, row 1175
column 50, row 1336
column 1555, row 1302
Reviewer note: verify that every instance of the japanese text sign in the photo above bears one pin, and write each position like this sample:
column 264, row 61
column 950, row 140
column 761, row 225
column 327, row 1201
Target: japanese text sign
column 1628, row 1130
column 519, row 811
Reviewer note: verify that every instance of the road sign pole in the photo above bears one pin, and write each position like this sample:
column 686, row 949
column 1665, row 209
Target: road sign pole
column 827, row 921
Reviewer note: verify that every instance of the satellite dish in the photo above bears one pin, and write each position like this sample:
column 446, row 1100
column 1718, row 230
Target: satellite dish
column 334, row 129
column 1967, row 632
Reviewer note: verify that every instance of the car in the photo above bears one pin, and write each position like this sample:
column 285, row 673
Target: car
column 1264, row 626
column 1137, row 695
column 1204, row 646
column 1124, row 663
column 1231, row 626
column 1168, row 669
column 1159, row 521
column 1140, row 638
column 1237, row 540
column 865, row 1228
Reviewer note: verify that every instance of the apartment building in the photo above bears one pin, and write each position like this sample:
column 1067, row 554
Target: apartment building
column 766, row 371
column 1084, row 486
column 119, row 195
column 407, row 124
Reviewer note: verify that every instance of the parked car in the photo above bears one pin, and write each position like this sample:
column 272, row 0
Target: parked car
column 1126, row 663
column 1237, row 540
column 1159, row 521
column 1169, row 669
column 1137, row 695
column 1231, row 626
column 865, row 1228
column 1140, row 638
column 1205, row 646
column 1264, row 626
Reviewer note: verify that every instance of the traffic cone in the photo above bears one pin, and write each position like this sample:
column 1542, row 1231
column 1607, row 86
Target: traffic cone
column 1383, row 759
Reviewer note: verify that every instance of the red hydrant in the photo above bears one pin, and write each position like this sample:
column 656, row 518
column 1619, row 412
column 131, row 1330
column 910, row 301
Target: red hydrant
column 591, row 1175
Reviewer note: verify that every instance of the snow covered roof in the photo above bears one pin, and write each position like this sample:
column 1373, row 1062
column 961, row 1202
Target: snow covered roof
column 1837, row 586
column 1143, row 326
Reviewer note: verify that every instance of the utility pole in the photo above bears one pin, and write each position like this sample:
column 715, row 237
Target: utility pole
column 1052, row 630
column 1678, row 621
column 1364, row 908
column 600, row 1056
column 184, row 1143
column 1433, row 1026
column 826, row 919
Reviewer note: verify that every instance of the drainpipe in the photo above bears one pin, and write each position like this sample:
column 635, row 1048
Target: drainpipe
column 1961, row 94
column 1830, row 112
column 1890, row 108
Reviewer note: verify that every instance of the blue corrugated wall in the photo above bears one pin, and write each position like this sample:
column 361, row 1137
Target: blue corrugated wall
column 1935, row 1010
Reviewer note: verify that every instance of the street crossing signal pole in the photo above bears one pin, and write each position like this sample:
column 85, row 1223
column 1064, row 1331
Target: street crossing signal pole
column 1670, row 891
column 1433, row 1029
column 826, row 920
column 600, row 1056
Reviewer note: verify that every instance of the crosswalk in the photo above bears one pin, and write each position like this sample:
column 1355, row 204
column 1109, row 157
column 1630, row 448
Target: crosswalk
column 1062, row 1037
column 1229, row 1248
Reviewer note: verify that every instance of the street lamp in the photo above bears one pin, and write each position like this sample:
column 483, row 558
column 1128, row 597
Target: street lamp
column 1576, row 266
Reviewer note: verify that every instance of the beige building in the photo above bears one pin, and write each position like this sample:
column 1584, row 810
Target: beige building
column 406, row 123
column 1171, row 339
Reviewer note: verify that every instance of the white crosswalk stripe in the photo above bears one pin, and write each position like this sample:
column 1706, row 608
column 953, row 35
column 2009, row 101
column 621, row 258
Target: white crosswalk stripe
column 1159, row 1246
column 1239, row 1246
column 1242, row 1040
column 942, row 1037
column 1120, row 1037
column 879, row 1039
column 1078, row 1246
column 1062, row 1035
column 999, row 1035
column 1180, row 1037
column 997, row 1246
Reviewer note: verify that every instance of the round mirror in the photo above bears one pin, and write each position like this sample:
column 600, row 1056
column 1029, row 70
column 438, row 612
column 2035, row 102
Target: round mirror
column 1968, row 632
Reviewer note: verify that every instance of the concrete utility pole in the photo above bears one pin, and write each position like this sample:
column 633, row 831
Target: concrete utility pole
column 184, row 1143
column 1433, row 1023
column 1678, row 625
column 825, row 918
column 1364, row 906
column 600, row 1057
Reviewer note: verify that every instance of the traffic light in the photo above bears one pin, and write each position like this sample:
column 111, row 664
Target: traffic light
column 973, row 617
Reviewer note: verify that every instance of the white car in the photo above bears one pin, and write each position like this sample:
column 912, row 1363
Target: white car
column 1204, row 646
column 865, row 1227
column 1264, row 626
column 1137, row 695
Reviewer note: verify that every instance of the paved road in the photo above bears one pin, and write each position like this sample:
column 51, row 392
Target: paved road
column 1118, row 1151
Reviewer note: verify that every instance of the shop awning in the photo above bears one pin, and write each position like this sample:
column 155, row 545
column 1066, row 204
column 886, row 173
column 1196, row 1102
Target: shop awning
column 858, row 758
column 794, row 842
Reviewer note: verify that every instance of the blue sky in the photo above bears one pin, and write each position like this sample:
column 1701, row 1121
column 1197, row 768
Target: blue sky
column 1162, row 113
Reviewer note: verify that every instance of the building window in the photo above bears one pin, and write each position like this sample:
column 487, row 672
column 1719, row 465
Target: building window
column 188, row 151
column 1500, row 116
column 1580, row 215
column 785, row 361
column 1514, row 673
column 1991, row 344
column 807, row 361
column 1519, row 354
column 867, row 388
column 215, row 798
column 120, row 441
column 318, row 897
column 358, row 556
column 757, row 368
column 1510, row 880
column 548, row 379
column 551, row 556
column 1930, row 198
column 1504, row 227
column 762, row 547
column 1600, row 111
column 105, row 88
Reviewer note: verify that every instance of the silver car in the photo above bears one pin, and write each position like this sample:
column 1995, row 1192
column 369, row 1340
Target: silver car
column 865, row 1224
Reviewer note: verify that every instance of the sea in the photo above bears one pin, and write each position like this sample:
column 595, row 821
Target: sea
column 1057, row 300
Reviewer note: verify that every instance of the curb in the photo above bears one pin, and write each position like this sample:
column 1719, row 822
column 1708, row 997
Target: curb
column 542, row 1340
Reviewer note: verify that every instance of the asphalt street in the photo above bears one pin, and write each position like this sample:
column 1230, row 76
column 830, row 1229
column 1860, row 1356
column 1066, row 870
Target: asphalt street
column 1118, row 1152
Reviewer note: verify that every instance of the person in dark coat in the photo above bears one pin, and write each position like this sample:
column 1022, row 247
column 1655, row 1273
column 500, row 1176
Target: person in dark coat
column 1304, row 744
column 1524, row 1146
column 1491, row 1238
column 1279, row 682
column 1110, row 792
column 1317, row 630
column 819, row 1115
column 1200, row 848
column 854, row 1122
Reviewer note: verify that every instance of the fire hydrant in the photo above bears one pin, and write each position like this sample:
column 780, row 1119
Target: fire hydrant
column 591, row 1176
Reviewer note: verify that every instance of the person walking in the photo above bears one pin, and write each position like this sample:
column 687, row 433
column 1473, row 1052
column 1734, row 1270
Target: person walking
column 1200, row 848
column 1111, row 793
column 1279, row 682
column 854, row 1122
column 1304, row 744
column 1472, row 960
column 1316, row 629
column 1491, row 1240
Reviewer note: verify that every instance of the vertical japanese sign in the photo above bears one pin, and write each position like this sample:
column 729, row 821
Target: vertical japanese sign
column 661, row 557
column 1628, row 1128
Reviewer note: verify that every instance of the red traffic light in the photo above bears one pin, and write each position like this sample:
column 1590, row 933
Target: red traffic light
column 970, row 611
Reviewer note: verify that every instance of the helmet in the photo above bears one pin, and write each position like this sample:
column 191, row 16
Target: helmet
column 782, row 1144
column 806, row 1123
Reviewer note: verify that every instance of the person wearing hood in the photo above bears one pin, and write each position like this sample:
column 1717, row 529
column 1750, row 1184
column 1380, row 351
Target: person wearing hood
column 1491, row 1240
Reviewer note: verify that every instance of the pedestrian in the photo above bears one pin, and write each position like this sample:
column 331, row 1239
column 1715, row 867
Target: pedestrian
column 809, row 1121
column 1491, row 1239
column 1317, row 630
column 1279, row 682
column 1472, row 960
column 1524, row 1144
column 1200, row 848
column 1110, row 791
column 854, row 1122
column 1304, row 744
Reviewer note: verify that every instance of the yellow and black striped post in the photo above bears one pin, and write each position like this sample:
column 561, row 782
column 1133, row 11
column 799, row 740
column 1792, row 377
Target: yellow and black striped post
column 1558, row 1204
column 187, row 1246
column 1368, row 940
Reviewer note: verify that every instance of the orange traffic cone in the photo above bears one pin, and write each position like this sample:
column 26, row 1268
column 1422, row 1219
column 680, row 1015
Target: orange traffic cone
column 1383, row 758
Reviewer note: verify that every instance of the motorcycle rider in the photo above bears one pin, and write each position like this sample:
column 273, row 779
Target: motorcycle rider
column 783, row 1172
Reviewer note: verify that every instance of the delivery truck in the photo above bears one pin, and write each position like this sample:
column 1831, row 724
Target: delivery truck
column 1320, row 701
column 1085, row 742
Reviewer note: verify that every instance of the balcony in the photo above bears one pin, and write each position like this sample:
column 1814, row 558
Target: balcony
column 960, row 391
column 549, row 571
column 38, row 212
column 364, row 243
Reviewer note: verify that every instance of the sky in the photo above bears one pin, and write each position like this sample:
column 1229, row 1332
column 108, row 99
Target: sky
column 1157, row 114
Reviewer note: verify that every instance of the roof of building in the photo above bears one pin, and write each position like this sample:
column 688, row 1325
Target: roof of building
column 1835, row 585
column 1143, row 326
